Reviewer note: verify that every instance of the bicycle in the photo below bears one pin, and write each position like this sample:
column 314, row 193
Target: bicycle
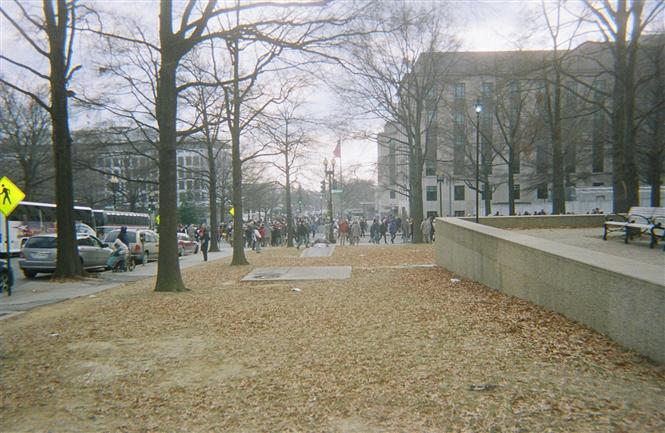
column 130, row 264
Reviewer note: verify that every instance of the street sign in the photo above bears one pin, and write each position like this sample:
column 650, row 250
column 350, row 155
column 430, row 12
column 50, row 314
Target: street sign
column 336, row 191
column 10, row 196
column 233, row 211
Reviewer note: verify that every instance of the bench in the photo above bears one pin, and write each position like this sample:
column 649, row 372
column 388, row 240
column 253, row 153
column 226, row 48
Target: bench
column 638, row 221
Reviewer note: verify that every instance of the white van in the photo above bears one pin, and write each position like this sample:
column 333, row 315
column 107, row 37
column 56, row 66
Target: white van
column 143, row 243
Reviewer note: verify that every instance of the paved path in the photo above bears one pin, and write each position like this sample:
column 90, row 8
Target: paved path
column 592, row 239
column 299, row 273
column 318, row 250
column 28, row 294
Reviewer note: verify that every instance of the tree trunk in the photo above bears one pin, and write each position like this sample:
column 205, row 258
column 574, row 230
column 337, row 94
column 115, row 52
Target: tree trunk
column 290, row 230
column 511, row 184
column 212, row 199
column 488, row 197
column 68, row 262
column 619, row 112
column 416, row 183
column 169, row 278
column 558, row 181
column 238, row 231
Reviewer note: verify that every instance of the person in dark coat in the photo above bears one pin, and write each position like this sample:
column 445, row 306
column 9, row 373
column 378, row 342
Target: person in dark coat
column 204, row 237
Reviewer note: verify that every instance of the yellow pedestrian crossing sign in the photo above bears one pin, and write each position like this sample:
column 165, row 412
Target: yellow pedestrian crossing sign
column 10, row 196
column 233, row 211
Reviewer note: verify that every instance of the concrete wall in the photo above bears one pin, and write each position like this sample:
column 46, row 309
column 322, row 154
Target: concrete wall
column 596, row 289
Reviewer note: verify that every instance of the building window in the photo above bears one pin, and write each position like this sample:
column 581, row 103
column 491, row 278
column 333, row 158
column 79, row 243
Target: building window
column 459, row 192
column 571, row 94
column 487, row 89
column 430, row 168
column 517, row 192
column 458, row 154
column 458, row 90
column 392, row 194
column 542, row 191
column 598, row 183
column 188, row 161
column 458, row 118
column 597, row 146
column 432, row 213
column 431, row 193
column 482, row 193
column 459, row 213
column 181, row 185
column 392, row 163
column 180, row 161
column 516, row 157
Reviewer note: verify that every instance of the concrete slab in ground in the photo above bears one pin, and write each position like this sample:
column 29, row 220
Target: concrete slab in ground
column 299, row 273
column 318, row 250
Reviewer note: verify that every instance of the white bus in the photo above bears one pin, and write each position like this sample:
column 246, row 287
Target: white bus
column 30, row 218
column 106, row 220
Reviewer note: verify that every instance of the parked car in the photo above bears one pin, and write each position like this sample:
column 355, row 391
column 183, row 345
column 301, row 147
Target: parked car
column 39, row 254
column 186, row 245
column 5, row 277
column 144, row 251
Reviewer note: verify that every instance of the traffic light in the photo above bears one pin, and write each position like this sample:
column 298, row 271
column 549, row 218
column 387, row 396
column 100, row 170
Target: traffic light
column 323, row 186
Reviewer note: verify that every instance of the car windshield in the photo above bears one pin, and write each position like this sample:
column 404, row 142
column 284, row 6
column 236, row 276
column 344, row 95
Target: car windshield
column 41, row 242
column 110, row 236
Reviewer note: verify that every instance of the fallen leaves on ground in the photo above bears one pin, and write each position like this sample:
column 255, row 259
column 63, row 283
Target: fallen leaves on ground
column 393, row 349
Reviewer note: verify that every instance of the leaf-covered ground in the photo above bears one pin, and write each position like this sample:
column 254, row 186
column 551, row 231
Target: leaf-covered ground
column 392, row 349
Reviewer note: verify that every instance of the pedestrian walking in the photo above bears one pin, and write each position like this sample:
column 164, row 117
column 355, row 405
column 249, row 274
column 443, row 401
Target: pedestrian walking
column 204, row 237
column 392, row 229
column 355, row 233
column 426, row 229
column 343, row 232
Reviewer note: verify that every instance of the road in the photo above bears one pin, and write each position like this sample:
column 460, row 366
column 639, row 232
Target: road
column 31, row 293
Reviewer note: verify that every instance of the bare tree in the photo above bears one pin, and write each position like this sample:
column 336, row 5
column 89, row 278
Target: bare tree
column 208, row 103
column 651, row 116
column 517, row 122
column 51, row 36
column 26, row 140
column 288, row 137
column 622, row 25
column 398, row 78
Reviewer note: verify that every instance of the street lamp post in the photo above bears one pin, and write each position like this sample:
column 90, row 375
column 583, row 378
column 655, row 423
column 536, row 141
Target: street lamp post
column 115, row 183
column 331, row 176
column 440, row 179
column 479, row 108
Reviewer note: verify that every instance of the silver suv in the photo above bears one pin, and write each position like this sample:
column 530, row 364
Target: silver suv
column 143, row 243
column 39, row 254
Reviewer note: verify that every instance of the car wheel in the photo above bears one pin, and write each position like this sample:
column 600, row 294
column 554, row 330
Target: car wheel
column 146, row 258
column 29, row 274
column 4, row 282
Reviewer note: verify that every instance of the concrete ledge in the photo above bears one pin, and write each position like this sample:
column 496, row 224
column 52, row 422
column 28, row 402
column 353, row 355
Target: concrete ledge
column 541, row 221
column 622, row 299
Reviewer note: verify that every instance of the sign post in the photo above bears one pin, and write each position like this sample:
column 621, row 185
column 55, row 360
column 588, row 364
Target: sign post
column 10, row 196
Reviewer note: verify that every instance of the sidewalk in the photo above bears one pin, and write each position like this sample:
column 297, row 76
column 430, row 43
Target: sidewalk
column 42, row 291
